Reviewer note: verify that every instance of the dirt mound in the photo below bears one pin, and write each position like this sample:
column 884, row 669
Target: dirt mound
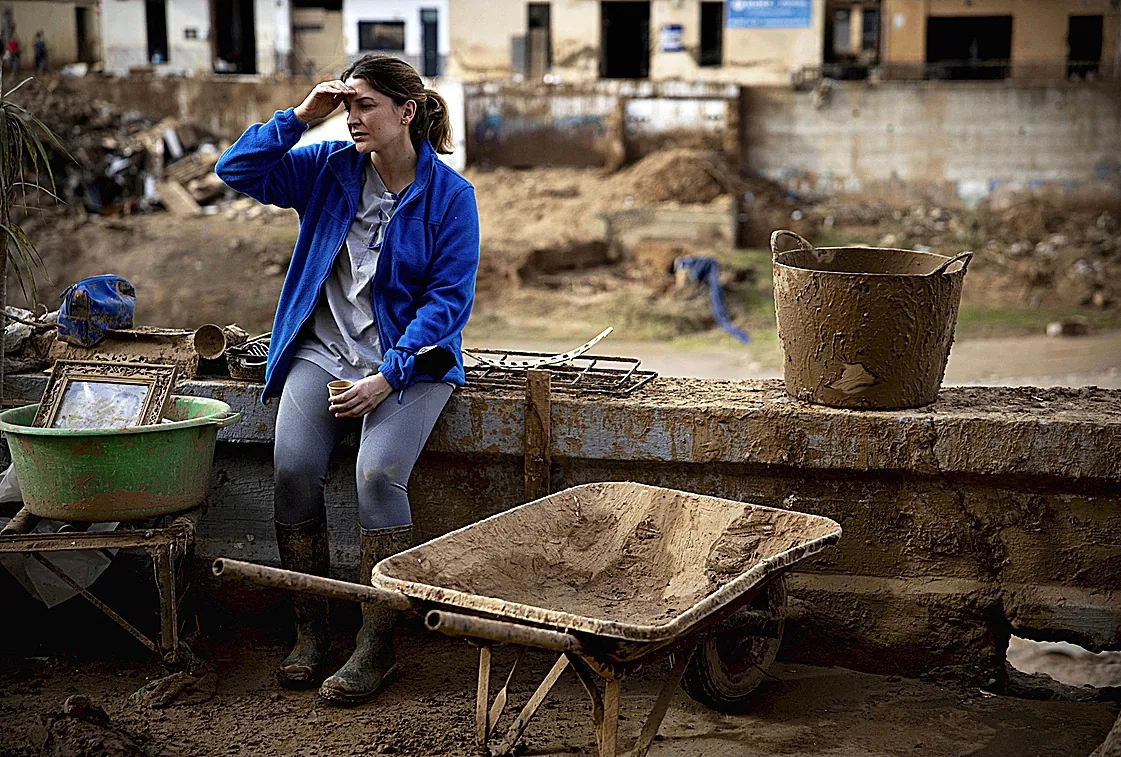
column 677, row 175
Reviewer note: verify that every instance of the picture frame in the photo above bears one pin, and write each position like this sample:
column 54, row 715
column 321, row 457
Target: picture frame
column 98, row 394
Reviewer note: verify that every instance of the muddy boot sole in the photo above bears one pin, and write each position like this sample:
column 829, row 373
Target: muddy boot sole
column 300, row 680
column 341, row 698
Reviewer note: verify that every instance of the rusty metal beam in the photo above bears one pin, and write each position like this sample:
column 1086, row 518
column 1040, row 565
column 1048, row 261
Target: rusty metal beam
column 83, row 540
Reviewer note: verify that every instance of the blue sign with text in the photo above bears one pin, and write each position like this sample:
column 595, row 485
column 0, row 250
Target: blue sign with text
column 769, row 14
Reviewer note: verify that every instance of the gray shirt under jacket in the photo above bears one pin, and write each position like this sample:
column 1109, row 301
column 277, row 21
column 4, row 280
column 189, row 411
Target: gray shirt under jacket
column 342, row 335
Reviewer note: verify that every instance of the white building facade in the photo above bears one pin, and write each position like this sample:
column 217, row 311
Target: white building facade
column 194, row 37
column 416, row 31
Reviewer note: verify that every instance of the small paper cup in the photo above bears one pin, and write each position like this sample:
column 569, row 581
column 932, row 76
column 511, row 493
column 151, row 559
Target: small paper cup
column 335, row 388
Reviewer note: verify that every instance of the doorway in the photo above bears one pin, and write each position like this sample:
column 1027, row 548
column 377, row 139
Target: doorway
column 82, row 33
column 1084, row 45
column 430, row 41
column 155, row 19
column 235, row 41
column 625, row 40
column 711, row 50
column 539, row 40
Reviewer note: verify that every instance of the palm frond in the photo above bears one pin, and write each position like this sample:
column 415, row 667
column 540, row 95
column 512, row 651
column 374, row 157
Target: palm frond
column 24, row 159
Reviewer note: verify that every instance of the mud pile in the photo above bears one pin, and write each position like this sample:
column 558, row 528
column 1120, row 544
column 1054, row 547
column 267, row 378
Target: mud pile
column 676, row 175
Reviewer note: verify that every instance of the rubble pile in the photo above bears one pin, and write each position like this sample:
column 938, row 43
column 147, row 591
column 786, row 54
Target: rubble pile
column 1033, row 245
column 125, row 162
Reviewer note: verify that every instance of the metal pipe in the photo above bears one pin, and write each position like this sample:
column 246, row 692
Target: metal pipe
column 454, row 624
column 293, row 581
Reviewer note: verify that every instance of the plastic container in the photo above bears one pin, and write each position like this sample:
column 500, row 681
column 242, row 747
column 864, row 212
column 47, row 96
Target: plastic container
column 117, row 474
column 864, row 327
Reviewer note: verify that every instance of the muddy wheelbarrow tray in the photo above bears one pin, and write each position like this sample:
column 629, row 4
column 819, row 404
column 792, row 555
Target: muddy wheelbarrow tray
column 608, row 574
column 611, row 575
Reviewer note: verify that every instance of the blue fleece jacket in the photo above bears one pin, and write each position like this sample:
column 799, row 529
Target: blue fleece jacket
column 424, row 281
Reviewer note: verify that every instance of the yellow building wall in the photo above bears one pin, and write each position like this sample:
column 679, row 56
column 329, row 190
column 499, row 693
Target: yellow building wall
column 481, row 43
column 59, row 26
column 1039, row 29
column 482, row 37
column 751, row 56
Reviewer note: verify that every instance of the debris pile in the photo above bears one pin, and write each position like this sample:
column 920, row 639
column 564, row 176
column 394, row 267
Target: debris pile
column 125, row 162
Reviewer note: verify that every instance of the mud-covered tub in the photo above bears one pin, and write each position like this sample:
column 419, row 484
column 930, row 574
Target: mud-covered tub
column 117, row 474
column 865, row 327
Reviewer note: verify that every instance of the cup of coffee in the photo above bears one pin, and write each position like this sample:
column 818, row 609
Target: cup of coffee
column 335, row 388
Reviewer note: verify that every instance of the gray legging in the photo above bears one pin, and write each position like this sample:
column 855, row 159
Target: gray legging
column 391, row 440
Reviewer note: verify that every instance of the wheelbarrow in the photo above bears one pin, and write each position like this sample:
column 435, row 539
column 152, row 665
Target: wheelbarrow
column 611, row 576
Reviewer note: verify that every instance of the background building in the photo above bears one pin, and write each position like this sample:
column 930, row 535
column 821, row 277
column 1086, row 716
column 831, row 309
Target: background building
column 71, row 29
column 771, row 43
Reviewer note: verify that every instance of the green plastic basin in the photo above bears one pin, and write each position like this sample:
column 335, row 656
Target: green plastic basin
column 117, row 474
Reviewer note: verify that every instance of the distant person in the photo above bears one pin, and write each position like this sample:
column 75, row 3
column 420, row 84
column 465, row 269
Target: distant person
column 13, row 51
column 40, row 53
column 380, row 286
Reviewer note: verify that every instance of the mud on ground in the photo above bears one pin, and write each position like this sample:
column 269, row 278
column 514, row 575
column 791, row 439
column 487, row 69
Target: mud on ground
column 430, row 711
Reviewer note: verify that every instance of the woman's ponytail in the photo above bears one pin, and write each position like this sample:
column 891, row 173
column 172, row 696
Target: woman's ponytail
column 435, row 124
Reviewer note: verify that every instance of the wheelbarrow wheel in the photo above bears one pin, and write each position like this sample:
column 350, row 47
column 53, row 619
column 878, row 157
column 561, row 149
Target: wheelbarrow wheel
column 727, row 668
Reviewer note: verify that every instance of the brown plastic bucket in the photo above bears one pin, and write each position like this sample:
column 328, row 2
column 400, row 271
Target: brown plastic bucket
column 865, row 327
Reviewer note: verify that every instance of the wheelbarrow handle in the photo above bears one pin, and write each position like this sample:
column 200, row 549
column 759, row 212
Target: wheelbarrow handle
column 471, row 627
column 293, row 581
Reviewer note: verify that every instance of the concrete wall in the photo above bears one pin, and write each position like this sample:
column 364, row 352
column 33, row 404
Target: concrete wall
column 595, row 124
column 317, row 42
column 226, row 105
column 990, row 512
column 124, row 36
column 962, row 138
column 482, row 35
column 56, row 20
column 185, row 53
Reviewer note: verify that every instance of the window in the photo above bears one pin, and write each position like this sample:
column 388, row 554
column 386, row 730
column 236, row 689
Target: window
column 711, row 50
column 968, row 47
column 381, row 35
column 1084, row 46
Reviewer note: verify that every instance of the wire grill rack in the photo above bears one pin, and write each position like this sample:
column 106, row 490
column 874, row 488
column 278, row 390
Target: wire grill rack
column 586, row 374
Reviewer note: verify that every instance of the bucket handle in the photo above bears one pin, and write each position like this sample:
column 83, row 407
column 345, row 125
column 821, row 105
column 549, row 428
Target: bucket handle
column 963, row 257
column 776, row 236
column 228, row 418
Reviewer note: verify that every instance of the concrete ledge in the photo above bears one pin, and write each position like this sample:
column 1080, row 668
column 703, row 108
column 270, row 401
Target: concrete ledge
column 1068, row 433
column 990, row 512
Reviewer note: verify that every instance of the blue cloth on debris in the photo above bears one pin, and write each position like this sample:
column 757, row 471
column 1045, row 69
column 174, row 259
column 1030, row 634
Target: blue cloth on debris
column 706, row 270
column 425, row 277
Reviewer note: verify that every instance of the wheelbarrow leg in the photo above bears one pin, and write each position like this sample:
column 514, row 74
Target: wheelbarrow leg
column 654, row 719
column 519, row 725
column 482, row 727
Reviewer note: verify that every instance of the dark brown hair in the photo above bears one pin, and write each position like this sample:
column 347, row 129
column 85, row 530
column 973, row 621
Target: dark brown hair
column 400, row 82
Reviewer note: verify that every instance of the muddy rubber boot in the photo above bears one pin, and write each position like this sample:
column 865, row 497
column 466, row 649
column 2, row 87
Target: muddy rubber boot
column 374, row 661
column 304, row 547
